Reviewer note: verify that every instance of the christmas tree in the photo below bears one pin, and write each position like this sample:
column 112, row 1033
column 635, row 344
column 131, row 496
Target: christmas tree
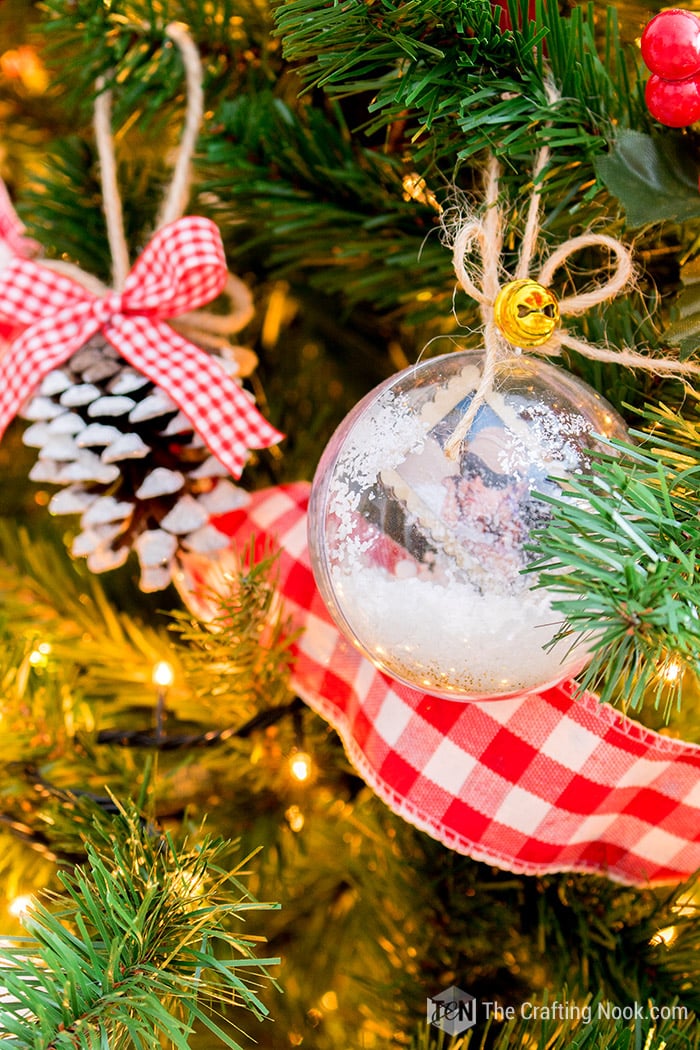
column 220, row 822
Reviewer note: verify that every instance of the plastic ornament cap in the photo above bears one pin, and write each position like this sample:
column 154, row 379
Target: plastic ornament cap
column 526, row 313
column 670, row 44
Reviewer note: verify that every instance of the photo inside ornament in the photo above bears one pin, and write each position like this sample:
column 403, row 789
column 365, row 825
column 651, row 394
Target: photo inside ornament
column 419, row 554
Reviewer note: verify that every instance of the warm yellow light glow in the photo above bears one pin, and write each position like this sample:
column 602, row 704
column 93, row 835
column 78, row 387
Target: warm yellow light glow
column 687, row 904
column 416, row 188
column 163, row 674
column 39, row 656
column 191, row 886
column 667, row 935
column 295, row 818
column 300, row 766
column 24, row 64
column 329, row 1001
column 672, row 671
column 20, row 905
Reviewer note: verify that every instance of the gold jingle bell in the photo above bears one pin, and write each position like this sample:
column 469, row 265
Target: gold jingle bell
column 526, row 313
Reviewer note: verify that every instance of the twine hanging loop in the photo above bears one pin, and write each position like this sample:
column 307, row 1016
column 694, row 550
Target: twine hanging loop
column 521, row 313
column 182, row 268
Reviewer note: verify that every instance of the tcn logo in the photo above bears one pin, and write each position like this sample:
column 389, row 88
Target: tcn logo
column 453, row 1011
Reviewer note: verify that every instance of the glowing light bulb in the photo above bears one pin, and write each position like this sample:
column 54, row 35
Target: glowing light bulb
column 300, row 766
column 39, row 657
column 295, row 818
column 667, row 936
column 329, row 1001
column 672, row 671
column 20, row 905
column 163, row 674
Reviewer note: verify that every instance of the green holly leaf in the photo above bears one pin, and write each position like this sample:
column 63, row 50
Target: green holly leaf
column 653, row 178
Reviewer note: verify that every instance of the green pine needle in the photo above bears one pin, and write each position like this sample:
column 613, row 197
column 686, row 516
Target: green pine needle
column 137, row 945
column 239, row 660
column 620, row 557
column 428, row 62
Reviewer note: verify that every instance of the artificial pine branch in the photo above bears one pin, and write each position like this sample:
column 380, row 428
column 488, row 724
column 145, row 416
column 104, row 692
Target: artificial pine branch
column 129, row 951
column 126, row 43
column 334, row 211
column 62, row 203
column 621, row 551
column 48, row 598
column 372, row 908
column 126, row 46
column 596, row 927
column 583, row 932
column 587, row 1023
column 239, row 660
column 454, row 60
column 77, row 676
column 430, row 1038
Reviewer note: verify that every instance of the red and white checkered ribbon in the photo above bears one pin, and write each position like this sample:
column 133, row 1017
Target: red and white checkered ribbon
column 182, row 268
column 543, row 783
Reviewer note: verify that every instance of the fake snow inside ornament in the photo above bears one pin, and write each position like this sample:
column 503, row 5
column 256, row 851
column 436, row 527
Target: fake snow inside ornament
column 419, row 554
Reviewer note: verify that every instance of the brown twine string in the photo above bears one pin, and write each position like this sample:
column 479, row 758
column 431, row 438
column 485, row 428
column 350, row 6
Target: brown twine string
column 201, row 326
column 483, row 235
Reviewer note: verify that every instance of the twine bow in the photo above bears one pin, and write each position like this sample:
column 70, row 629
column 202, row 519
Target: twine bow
column 485, row 235
column 181, row 268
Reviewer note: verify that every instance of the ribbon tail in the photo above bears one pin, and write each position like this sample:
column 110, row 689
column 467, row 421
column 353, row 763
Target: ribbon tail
column 216, row 406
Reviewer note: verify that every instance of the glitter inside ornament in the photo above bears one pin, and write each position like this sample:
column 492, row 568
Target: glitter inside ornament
column 419, row 555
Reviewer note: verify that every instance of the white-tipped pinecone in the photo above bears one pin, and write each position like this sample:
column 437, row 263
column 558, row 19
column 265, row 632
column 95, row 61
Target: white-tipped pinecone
column 129, row 463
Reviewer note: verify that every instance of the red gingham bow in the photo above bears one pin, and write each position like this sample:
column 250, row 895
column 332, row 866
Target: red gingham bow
column 182, row 268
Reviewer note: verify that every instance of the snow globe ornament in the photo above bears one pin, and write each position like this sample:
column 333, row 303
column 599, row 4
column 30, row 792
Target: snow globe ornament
column 418, row 547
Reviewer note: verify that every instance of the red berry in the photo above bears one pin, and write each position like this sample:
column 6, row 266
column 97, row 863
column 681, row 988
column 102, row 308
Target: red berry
column 671, row 44
column 504, row 21
column 675, row 103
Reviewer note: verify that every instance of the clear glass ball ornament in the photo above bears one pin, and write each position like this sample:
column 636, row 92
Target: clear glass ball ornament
column 419, row 555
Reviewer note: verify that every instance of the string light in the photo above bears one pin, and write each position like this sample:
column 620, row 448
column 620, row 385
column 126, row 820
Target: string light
column 666, row 936
column 301, row 766
column 295, row 818
column 20, row 905
column 163, row 677
column 163, row 674
column 687, row 904
column 39, row 657
column 671, row 671
column 300, row 763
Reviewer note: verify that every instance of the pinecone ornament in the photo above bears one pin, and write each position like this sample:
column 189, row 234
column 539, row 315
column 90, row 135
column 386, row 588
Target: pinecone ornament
column 128, row 462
